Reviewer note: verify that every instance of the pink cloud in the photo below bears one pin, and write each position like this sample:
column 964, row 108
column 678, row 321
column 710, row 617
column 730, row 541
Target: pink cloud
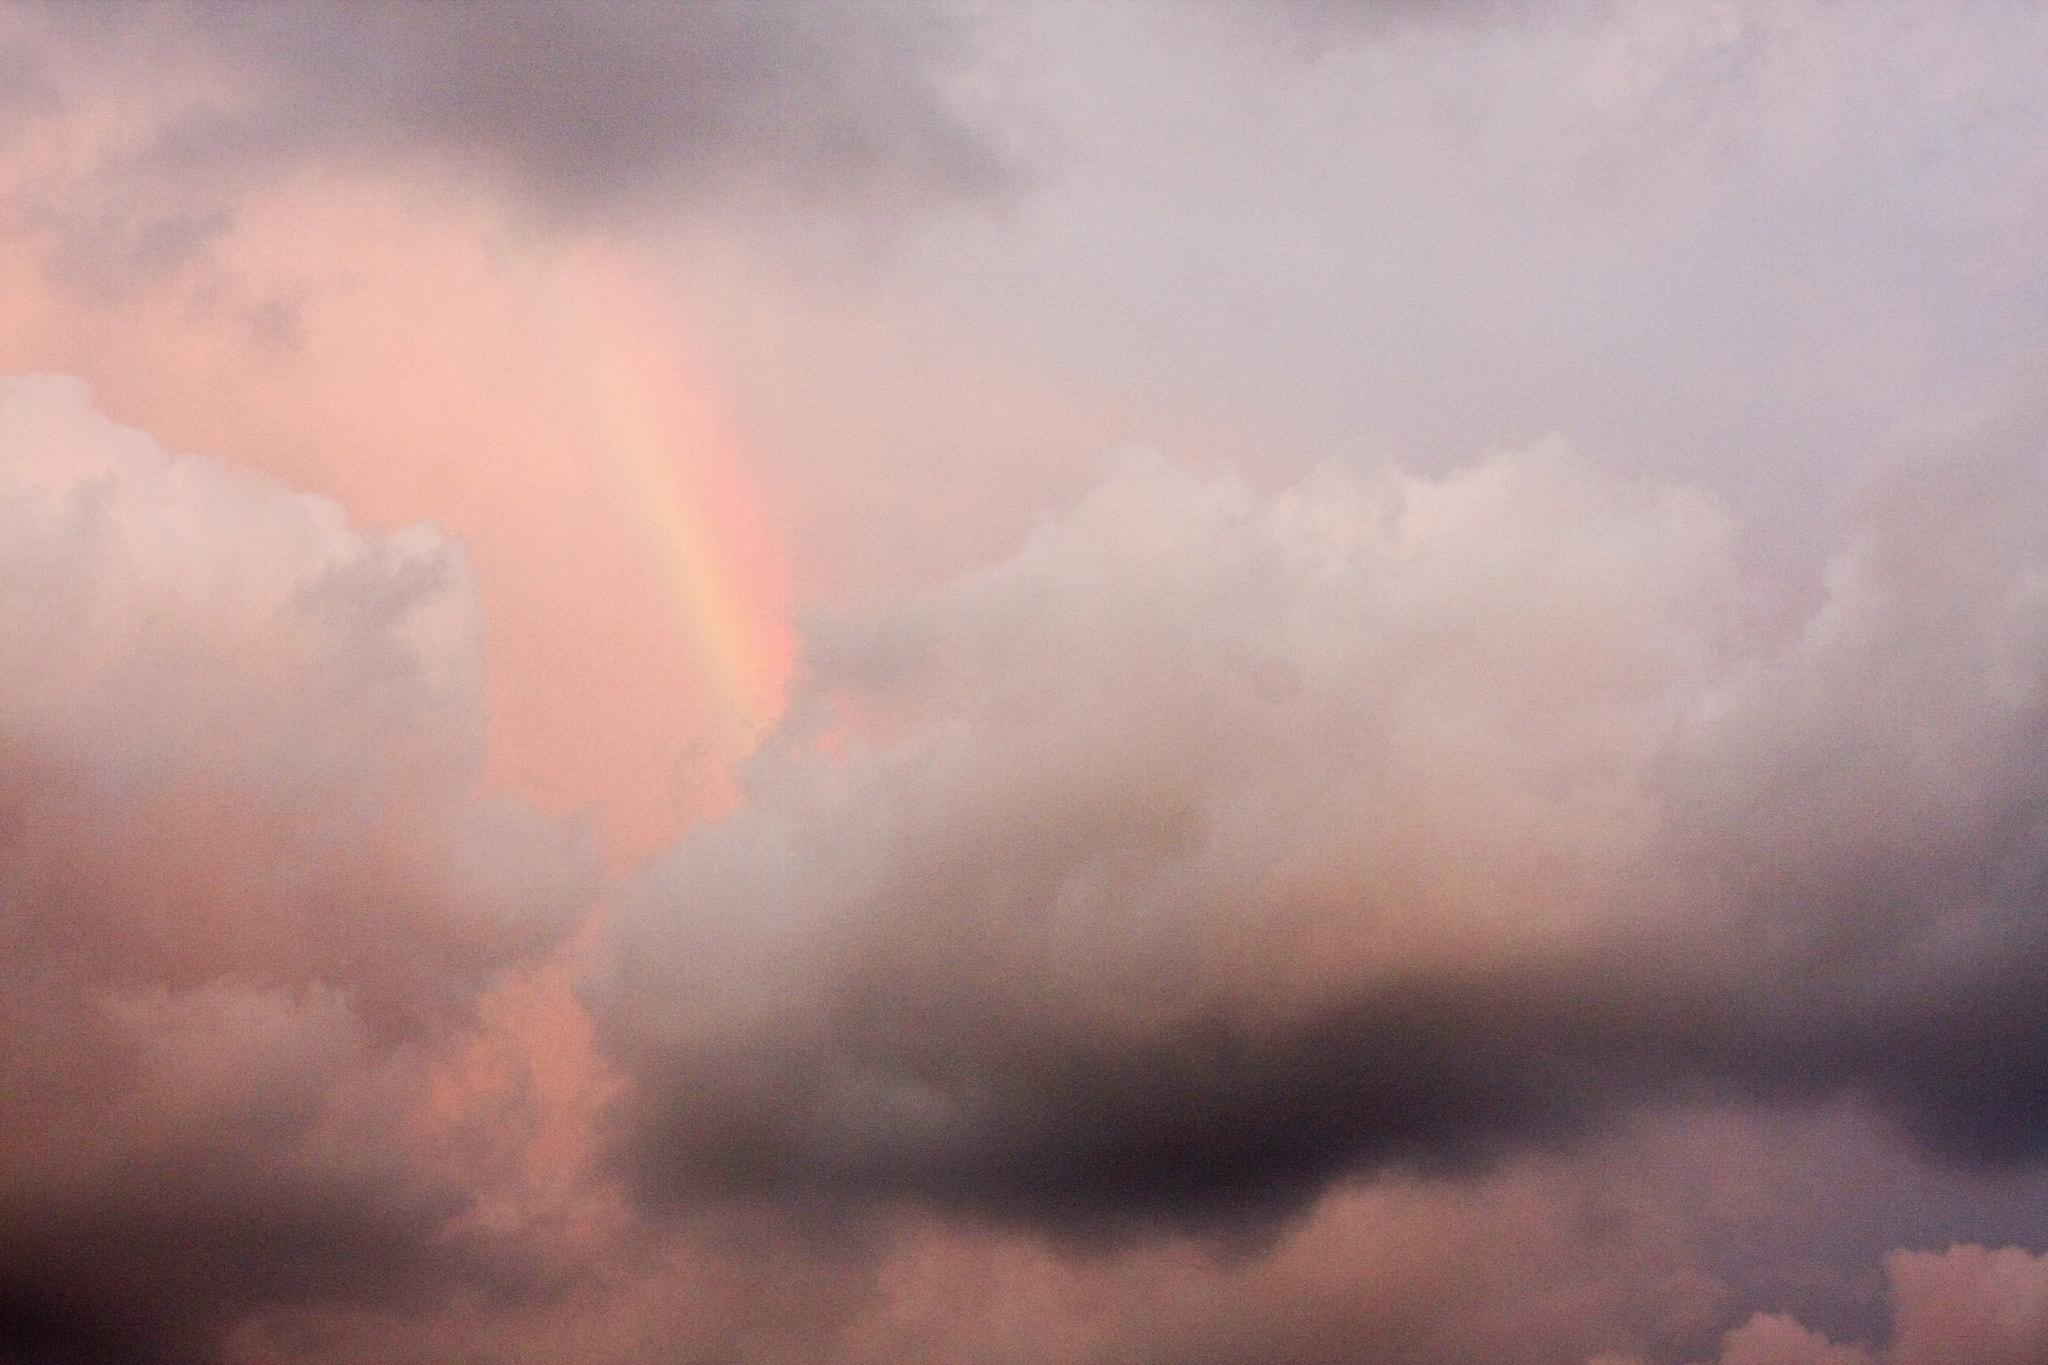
column 251, row 891
column 1963, row 1306
column 1970, row 1306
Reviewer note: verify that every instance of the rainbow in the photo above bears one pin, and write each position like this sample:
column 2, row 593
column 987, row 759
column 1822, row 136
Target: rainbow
column 662, row 434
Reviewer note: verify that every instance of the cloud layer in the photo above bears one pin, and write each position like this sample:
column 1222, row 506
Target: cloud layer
column 1218, row 845
column 1579, row 904
column 246, row 885
column 1966, row 1304
column 580, row 106
column 1166, row 926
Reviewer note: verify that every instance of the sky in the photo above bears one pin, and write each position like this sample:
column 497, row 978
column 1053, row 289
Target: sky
column 909, row 683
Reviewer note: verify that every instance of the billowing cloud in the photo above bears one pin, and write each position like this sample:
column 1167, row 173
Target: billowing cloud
column 246, row 887
column 1964, row 1306
column 1970, row 1304
column 1219, row 844
column 1552, row 908
column 1555, row 1258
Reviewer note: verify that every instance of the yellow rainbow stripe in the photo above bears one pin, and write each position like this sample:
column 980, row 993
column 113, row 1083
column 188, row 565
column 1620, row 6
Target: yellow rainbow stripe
column 677, row 464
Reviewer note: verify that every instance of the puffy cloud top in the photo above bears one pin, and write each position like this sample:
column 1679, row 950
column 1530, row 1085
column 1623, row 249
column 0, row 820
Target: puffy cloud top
column 1218, row 844
column 242, row 876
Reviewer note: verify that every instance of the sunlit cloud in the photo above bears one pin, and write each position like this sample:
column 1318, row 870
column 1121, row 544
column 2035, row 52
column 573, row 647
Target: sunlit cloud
column 1150, row 681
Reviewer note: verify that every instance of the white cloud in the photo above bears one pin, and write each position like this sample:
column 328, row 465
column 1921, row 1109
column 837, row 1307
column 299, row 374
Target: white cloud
column 245, row 879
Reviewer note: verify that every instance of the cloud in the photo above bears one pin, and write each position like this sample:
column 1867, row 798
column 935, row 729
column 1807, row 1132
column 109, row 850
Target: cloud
column 1776, row 1339
column 1245, row 925
column 578, row 110
column 1604, row 1251
column 1381, row 1272
column 1209, row 860
column 1218, row 845
column 1964, row 1306
column 247, row 889
column 1970, row 1304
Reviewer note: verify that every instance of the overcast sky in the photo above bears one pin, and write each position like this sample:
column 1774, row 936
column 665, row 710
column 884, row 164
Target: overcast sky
column 1162, row 681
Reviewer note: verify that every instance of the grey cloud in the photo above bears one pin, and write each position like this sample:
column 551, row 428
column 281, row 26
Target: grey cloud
column 246, row 893
column 580, row 109
column 1966, row 1305
column 1557, row 1257
column 1217, row 846
column 154, row 1264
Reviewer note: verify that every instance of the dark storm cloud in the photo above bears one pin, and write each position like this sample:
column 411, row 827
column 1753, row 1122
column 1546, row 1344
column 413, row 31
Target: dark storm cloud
column 580, row 106
column 1216, row 847
column 579, row 113
column 155, row 1264
column 245, row 890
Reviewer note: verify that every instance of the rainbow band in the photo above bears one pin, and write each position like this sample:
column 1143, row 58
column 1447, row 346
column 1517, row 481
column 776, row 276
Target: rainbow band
column 679, row 468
